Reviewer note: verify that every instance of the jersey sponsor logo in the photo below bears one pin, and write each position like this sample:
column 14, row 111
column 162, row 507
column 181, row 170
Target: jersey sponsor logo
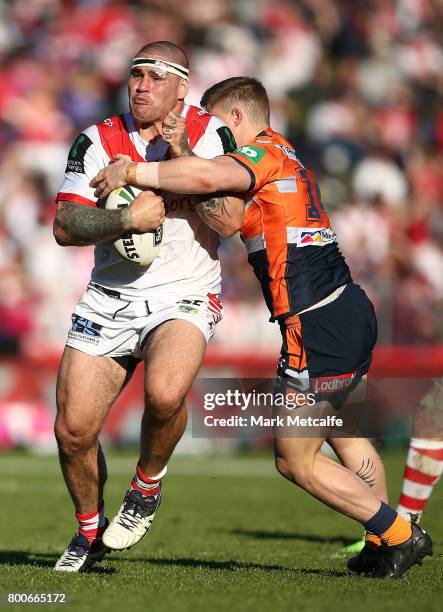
column 254, row 154
column 84, row 330
column 178, row 203
column 193, row 302
column 290, row 153
column 227, row 139
column 317, row 236
column 190, row 306
column 307, row 237
column 332, row 384
column 76, row 157
column 188, row 309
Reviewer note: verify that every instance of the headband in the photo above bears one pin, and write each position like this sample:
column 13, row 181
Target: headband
column 162, row 65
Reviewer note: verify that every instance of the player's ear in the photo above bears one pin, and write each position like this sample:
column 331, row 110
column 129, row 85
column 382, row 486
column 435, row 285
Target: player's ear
column 183, row 89
column 237, row 115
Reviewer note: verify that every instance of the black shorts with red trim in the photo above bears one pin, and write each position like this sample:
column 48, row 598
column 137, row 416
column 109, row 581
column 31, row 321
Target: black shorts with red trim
column 329, row 349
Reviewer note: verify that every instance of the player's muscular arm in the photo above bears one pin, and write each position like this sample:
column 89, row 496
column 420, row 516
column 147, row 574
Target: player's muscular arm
column 76, row 225
column 194, row 175
column 224, row 214
column 189, row 175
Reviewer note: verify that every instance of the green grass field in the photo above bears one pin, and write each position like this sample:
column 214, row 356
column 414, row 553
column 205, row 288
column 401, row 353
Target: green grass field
column 230, row 535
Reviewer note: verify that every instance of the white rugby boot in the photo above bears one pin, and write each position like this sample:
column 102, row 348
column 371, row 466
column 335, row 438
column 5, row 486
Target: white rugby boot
column 80, row 555
column 133, row 520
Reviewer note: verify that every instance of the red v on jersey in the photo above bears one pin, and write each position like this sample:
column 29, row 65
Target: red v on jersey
column 114, row 136
column 197, row 121
column 115, row 139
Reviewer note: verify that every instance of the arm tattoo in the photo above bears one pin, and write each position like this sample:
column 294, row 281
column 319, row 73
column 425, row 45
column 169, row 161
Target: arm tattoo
column 367, row 472
column 83, row 225
column 184, row 144
column 213, row 208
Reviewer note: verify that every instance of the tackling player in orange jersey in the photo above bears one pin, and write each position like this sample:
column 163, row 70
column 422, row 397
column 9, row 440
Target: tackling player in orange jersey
column 327, row 322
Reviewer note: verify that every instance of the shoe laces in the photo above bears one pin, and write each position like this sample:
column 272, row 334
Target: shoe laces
column 78, row 547
column 137, row 507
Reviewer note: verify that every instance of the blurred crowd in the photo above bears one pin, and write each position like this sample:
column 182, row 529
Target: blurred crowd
column 357, row 87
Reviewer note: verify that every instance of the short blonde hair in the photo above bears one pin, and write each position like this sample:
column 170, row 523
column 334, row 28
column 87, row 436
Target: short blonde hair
column 247, row 92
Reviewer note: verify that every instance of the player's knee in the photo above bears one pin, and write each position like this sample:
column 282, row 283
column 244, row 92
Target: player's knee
column 283, row 468
column 300, row 473
column 73, row 439
column 163, row 401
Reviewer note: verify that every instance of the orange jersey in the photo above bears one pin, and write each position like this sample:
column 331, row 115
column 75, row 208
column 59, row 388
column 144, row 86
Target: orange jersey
column 286, row 230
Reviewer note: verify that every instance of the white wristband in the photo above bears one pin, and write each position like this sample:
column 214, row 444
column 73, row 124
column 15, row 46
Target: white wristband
column 146, row 174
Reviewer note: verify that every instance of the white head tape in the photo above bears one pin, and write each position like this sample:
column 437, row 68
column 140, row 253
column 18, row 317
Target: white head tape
column 162, row 66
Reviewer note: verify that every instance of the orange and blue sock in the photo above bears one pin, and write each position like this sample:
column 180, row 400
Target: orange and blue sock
column 389, row 526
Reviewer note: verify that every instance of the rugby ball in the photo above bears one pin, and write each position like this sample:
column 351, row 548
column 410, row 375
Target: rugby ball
column 137, row 249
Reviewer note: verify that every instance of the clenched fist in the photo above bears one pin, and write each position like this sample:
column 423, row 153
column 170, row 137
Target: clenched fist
column 147, row 212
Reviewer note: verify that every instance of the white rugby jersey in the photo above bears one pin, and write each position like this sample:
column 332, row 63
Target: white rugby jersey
column 188, row 260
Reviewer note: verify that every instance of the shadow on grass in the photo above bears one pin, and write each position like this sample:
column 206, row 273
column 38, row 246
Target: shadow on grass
column 231, row 566
column 45, row 560
column 304, row 537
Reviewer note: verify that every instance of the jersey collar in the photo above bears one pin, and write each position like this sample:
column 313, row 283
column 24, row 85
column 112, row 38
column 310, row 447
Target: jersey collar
column 265, row 132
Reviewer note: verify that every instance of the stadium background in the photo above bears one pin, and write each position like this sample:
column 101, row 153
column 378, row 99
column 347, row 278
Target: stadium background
column 357, row 87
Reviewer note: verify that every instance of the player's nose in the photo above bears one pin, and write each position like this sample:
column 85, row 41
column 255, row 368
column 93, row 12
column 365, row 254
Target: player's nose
column 144, row 84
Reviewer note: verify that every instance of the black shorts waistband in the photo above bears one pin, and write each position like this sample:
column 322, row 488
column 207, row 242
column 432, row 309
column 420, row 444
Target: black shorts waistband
column 105, row 290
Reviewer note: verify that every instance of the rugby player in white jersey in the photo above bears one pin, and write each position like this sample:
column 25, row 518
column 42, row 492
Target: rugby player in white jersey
column 163, row 315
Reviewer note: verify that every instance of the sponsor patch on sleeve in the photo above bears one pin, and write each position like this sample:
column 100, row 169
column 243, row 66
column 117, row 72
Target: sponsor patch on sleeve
column 227, row 139
column 76, row 157
column 253, row 153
